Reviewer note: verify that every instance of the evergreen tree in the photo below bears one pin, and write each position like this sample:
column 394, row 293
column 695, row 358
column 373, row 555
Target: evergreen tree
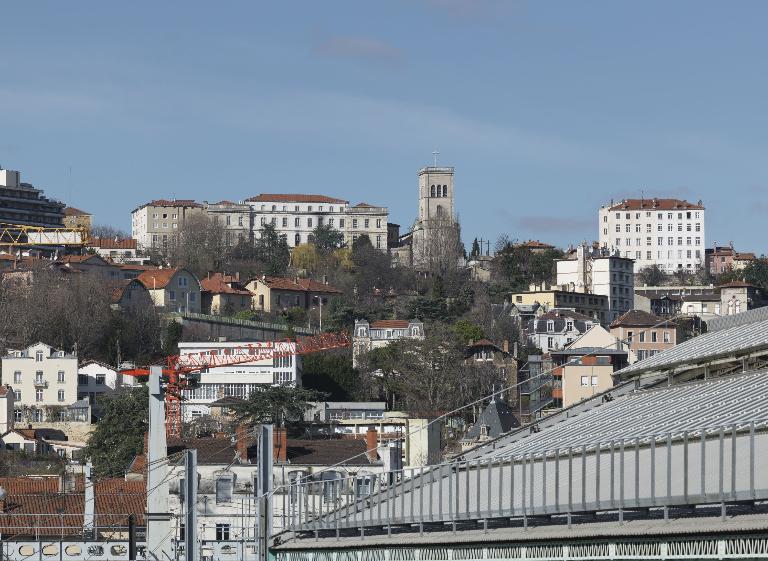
column 475, row 248
column 271, row 249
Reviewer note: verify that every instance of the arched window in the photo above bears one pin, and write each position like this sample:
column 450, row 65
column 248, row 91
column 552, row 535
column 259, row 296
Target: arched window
column 297, row 239
column 445, row 190
column 432, row 191
column 738, row 305
column 439, row 210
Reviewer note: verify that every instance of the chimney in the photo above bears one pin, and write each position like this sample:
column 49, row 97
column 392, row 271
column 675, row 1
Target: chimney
column 371, row 444
column 146, row 443
column 280, row 445
column 241, row 443
column 505, row 346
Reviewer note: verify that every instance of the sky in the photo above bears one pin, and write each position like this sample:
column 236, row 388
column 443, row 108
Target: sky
column 545, row 109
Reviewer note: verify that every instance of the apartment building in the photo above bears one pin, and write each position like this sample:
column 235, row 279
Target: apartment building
column 564, row 296
column 156, row 223
column 238, row 380
column 367, row 336
column 234, row 218
column 22, row 203
column 595, row 270
column 721, row 259
column 557, row 328
column 43, row 379
column 665, row 232
column 295, row 216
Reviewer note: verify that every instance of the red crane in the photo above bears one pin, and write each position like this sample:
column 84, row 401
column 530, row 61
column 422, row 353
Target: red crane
column 179, row 370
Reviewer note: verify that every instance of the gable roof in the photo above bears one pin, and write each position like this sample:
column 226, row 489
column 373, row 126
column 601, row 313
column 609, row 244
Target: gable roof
column 294, row 198
column 390, row 324
column 92, row 259
column 119, row 288
column 219, row 283
column 154, row 279
column 736, row 284
column 498, row 417
column 656, row 204
column 112, row 243
column 72, row 211
column 640, row 318
column 559, row 313
column 299, row 285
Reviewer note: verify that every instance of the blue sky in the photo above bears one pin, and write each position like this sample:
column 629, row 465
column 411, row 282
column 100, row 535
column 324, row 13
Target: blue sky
column 546, row 109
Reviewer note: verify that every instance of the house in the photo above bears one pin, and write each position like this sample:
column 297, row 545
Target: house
column 227, row 469
column 33, row 441
column 95, row 378
column 564, row 296
column 223, row 294
column 6, row 408
column 646, row 333
column 44, row 381
column 116, row 250
column 582, row 372
column 93, row 264
column 721, row 259
column 484, row 353
column 174, row 290
column 381, row 333
column 556, row 328
column 496, row 419
column 76, row 218
column 129, row 294
column 535, row 246
column 277, row 294
column 739, row 296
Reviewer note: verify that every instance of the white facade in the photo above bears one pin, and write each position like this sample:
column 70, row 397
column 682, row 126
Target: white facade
column 41, row 377
column 601, row 272
column 154, row 225
column 669, row 233
column 95, row 378
column 381, row 333
column 237, row 380
column 296, row 216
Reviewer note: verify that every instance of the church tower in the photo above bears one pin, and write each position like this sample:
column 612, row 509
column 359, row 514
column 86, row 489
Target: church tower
column 435, row 195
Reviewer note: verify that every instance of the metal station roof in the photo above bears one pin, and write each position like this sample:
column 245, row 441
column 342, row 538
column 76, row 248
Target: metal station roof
column 738, row 399
column 735, row 341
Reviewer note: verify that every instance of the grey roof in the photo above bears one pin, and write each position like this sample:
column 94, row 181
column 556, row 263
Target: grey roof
column 670, row 409
column 597, row 351
column 498, row 417
column 725, row 322
column 735, row 341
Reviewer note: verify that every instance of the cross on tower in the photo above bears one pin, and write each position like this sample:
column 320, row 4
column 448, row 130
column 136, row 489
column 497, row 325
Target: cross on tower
column 435, row 154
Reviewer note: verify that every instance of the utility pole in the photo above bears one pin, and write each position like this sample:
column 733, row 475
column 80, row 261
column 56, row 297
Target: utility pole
column 158, row 515
column 264, row 492
column 191, row 552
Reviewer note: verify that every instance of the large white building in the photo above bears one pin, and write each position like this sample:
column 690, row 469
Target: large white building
column 600, row 271
column 238, row 380
column 296, row 216
column 664, row 232
column 43, row 379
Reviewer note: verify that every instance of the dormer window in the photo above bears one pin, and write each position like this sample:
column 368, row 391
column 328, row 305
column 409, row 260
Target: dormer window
column 569, row 326
column 39, row 356
column 550, row 326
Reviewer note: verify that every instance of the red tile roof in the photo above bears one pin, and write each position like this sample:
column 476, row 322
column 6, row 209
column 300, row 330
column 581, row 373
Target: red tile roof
column 744, row 257
column 81, row 259
column 656, row 204
column 157, row 278
column 219, row 283
column 736, row 284
column 36, row 505
column 72, row 211
column 535, row 244
column 111, row 243
column 298, row 285
column 294, row 198
column 390, row 324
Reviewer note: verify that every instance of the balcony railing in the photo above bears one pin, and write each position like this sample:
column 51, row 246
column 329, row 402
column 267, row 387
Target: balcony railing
column 41, row 383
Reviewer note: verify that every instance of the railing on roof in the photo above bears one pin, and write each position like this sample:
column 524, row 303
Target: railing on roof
column 716, row 465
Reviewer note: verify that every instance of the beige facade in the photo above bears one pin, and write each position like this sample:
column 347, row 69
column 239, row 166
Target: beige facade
column 42, row 379
column 234, row 218
column 76, row 218
column 592, row 305
column 277, row 294
column 644, row 334
column 582, row 381
column 174, row 290
column 157, row 223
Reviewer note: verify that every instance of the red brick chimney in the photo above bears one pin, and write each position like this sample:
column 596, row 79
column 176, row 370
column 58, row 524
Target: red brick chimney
column 280, row 445
column 371, row 444
column 241, row 443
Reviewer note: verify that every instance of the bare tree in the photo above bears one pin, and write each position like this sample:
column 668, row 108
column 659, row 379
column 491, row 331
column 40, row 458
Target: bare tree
column 200, row 245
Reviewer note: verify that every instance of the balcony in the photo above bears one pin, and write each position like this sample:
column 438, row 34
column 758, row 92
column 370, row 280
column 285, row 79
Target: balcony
column 41, row 383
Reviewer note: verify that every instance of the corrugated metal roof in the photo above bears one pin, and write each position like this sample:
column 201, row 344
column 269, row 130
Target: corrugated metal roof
column 726, row 322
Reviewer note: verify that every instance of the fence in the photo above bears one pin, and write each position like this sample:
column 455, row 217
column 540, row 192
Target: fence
column 715, row 465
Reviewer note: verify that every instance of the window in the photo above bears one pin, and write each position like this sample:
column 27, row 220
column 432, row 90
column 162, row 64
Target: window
column 629, row 336
column 585, row 381
column 648, row 228
column 666, row 337
column 618, row 228
column 594, row 380
column 341, row 222
column 17, row 377
column 82, row 379
column 637, row 228
column 229, row 219
column 309, row 222
column 61, row 396
column 183, row 281
column 378, row 222
column 60, row 377
column 39, row 377
column 659, row 228
column 192, row 297
column 354, row 222
column 330, row 222
column 698, row 227
column 38, row 395
column 222, row 532
column 653, row 337
column 378, row 242
column 367, row 221
column 297, row 222
column 550, row 326
column 660, row 240
column 642, row 336
column 648, row 240
column 309, row 208
column 297, row 239
column 17, row 395
column 39, row 356
column 224, row 486
column 172, row 295
column 432, row 191
column 101, row 379
column 687, row 241
column 550, row 342
column 285, row 222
